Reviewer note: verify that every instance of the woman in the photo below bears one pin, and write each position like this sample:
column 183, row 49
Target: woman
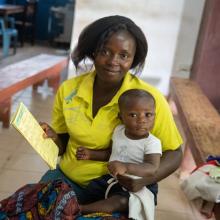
column 85, row 111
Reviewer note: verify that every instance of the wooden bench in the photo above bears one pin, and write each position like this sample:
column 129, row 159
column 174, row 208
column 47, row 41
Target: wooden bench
column 200, row 122
column 29, row 72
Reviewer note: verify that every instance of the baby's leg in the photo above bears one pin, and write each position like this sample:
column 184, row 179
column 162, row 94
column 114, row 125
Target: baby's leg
column 112, row 204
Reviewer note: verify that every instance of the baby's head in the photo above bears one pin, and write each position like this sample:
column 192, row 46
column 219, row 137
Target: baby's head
column 137, row 112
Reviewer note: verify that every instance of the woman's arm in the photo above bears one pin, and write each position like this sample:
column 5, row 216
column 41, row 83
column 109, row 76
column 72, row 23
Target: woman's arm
column 63, row 141
column 170, row 161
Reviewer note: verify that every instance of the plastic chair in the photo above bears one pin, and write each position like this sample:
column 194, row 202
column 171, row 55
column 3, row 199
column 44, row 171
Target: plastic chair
column 25, row 24
column 7, row 33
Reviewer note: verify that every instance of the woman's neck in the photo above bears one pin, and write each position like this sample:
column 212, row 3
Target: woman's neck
column 106, row 87
column 103, row 94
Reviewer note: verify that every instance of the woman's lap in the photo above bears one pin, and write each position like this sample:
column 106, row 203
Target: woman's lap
column 51, row 175
column 84, row 195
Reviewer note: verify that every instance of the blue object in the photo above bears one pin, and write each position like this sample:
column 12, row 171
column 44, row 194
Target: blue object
column 216, row 158
column 3, row 215
column 7, row 33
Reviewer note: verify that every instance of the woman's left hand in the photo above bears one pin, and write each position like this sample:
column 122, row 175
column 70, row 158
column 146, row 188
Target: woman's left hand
column 131, row 184
column 82, row 153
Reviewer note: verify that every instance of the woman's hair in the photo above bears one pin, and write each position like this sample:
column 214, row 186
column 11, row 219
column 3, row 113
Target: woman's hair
column 127, row 96
column 94, row 36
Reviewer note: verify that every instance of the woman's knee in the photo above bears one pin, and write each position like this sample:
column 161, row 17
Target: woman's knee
column 52, row 175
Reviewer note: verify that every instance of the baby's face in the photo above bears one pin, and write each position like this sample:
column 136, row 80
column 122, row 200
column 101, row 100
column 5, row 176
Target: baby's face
column 138, row 117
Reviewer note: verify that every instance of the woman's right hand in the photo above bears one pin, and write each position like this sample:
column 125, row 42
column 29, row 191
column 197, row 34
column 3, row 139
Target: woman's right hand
column 61, row 140
column 48, row 132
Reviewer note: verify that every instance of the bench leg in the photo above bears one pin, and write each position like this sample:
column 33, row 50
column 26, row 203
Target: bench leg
column 35, row 86
column 54, row 82
column 5, row 111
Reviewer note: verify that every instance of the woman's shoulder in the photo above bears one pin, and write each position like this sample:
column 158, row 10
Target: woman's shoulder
column 136, row 82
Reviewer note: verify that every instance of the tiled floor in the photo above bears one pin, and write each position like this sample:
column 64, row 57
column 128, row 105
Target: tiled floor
column 19, row 164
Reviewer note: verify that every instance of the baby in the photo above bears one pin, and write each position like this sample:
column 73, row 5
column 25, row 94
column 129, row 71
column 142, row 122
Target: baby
column 134, row 151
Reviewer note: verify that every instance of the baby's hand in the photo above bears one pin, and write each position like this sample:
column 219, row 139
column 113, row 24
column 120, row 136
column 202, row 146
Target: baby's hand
column 117, row 167
column 83, row 153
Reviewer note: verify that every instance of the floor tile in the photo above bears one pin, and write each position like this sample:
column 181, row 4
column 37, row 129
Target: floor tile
column 171, row 182
column 172, row 215
column 11, row 180
column 4, row 157
column 170, row 199
column 4, row 195
column 10, row 139
column 27, row 162
column 25, row 147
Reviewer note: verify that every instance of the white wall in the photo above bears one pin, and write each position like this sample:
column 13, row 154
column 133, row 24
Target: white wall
column 187, row 37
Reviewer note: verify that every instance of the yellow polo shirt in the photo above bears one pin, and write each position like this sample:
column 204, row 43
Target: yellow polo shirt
column 72, row 113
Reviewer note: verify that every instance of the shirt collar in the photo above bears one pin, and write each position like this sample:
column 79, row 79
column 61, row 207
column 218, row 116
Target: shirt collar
column 125, row 86
column 85, row 89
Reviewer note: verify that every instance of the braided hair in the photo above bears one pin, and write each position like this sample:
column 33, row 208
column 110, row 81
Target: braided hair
column 94, row 36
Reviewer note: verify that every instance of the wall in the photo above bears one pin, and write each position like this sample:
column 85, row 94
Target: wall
column 206, row 65
column 187, row 37
column 198, row 48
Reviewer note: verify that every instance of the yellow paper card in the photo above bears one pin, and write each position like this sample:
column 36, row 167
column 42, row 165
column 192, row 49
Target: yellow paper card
column 29, row 127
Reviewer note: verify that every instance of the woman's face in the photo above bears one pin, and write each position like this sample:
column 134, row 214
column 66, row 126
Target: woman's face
column 114, row 60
